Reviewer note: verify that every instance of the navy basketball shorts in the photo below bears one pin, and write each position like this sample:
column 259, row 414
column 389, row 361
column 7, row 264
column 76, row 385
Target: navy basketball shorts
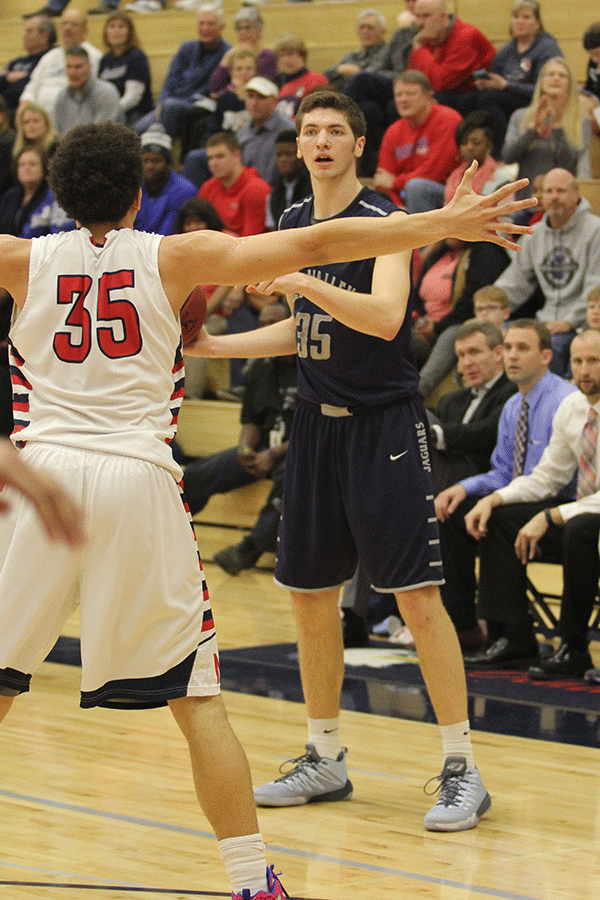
column 359, row 486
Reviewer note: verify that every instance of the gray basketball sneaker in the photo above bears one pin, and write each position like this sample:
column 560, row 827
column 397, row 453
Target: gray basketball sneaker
column 463, row 798
column 312, row 779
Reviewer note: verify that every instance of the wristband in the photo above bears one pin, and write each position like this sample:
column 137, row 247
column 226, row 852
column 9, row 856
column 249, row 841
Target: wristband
column 548, row 517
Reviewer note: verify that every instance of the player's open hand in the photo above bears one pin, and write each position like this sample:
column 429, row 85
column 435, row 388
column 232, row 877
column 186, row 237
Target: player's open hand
column 285, row 284
column 199, row 347
column 61, row 518
column 478, row 218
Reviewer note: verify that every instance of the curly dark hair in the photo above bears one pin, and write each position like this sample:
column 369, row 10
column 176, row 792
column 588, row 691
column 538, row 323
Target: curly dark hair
column 96, row 172
column 200, row 210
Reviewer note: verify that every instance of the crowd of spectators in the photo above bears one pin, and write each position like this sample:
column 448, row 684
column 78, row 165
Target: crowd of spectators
column 219, row 152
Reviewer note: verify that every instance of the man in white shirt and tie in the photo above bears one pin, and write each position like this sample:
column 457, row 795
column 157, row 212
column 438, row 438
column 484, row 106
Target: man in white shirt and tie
column 511, row 536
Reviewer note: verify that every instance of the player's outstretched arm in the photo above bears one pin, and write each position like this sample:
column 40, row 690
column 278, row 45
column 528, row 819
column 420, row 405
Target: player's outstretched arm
column 278, row 339
column 14, row 266
column 208, row 257
column 61, row 518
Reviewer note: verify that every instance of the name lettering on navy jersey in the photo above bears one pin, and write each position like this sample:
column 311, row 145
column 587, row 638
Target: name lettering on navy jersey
column 423, row 446
column 329, row 278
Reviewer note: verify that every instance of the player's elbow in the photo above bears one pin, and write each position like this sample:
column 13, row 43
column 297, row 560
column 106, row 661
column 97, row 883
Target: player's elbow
column 391, row 328
column 391, row 317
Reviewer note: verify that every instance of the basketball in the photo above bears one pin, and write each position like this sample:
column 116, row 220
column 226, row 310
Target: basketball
column 192, row 316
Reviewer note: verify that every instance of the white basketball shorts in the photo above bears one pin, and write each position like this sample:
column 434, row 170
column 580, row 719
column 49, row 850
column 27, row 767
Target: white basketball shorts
column 147, row 631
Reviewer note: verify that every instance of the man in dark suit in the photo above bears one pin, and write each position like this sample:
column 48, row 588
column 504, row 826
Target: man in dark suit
column 465, row 423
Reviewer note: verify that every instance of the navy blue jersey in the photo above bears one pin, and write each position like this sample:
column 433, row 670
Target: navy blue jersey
column 337, row 364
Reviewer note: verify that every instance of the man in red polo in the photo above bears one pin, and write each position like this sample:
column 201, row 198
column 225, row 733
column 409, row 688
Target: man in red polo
column 237, row 192
column 448, row 51
column 418, row 151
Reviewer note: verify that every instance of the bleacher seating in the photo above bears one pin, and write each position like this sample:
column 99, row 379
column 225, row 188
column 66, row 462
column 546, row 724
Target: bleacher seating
column 327, row 27
column 205, row 427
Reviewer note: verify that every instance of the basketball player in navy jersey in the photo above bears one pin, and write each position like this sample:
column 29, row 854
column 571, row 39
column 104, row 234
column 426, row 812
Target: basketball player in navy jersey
column 358, row 473
column 97, row 373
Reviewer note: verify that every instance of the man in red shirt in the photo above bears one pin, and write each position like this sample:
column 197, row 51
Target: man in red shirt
column 448, row 51
column 295, row 80
column 239, row 195
column 237, row 192
column 418, row 151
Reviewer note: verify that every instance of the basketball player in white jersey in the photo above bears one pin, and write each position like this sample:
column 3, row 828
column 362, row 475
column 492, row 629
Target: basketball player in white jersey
column 98, row 380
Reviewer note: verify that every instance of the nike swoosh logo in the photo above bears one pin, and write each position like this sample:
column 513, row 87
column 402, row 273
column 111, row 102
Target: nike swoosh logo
column 329, row 730
column 398, row 456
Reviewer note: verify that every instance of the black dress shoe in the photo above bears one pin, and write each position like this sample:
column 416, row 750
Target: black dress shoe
column 472, row 640
column 592, row 676
column 566, row 663
column 354, row 629
column 239, row 556
column 503, row 654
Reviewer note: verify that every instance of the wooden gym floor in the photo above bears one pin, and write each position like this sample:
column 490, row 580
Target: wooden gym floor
column 100, row 804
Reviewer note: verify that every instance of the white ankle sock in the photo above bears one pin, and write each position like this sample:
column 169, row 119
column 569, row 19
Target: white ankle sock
column 325, row 735
column 245, row 862
column 456, row 741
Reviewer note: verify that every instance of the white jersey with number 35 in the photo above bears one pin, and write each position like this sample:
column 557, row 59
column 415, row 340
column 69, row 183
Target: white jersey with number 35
column 95, row 351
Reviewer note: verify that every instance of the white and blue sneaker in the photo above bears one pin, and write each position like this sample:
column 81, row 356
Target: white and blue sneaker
column 462, row 800
column 312, row 779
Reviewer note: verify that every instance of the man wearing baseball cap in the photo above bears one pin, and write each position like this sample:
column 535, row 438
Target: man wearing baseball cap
column 163, row 190
column 257, row 139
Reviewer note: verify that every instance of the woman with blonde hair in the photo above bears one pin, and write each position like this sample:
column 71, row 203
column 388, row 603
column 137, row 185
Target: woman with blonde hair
column 552, row 131
column 34, row 129
column 510, row 80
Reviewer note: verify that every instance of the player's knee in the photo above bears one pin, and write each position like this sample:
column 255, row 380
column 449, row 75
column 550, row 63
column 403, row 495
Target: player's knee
column 420, row 607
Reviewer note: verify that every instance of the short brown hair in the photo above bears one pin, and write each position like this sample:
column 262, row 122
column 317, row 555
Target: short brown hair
column 494, row 294
column 544, row 336
column 413, row 76
column 293, row 44
column 337, row 101
column 227, row 138
column 493, row 335
column 243, row 53
column 594, row 294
